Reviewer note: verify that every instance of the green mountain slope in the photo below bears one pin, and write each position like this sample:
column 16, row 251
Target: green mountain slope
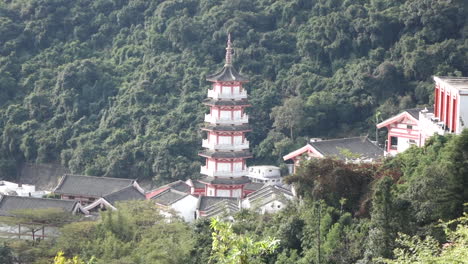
column 114, row 87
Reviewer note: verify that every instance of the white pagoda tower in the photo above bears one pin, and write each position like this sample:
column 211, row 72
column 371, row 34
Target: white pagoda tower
column 226, row 148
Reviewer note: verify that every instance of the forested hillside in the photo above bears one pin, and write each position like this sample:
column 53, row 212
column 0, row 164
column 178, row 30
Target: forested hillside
column 114, row 87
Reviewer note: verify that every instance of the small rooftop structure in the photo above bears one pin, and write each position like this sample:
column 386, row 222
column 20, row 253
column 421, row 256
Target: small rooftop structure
column 265, row 174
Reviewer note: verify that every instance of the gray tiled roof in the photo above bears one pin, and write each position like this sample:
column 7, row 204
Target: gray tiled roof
column 222, row 207
column 11, row 203
column 253, row 186
column 267, row 192
column 226, row 155
column 168, row 197
column 356, row 145
column 90, row 186
column 223, row 180
column 197, row 184
column 206, row 202
column 244, row 127
column 209, row 101
column 227, row 74
column 126, row 194
column 414, row 112
column 180, row 186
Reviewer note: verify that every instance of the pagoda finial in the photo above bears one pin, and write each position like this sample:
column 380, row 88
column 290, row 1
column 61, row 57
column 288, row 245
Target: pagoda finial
column 228, row 51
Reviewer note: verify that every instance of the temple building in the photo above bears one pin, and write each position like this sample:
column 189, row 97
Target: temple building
column 353, row 149
column 226, row 147
column 415, row 126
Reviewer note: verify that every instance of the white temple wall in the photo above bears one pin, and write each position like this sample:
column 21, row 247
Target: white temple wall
column 403, row 144
column 186, row 207
column 211, row 165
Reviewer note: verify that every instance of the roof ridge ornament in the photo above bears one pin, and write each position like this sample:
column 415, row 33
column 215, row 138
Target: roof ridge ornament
column 228, row 51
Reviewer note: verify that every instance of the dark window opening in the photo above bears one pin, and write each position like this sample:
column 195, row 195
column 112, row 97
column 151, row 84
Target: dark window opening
column 393, row 142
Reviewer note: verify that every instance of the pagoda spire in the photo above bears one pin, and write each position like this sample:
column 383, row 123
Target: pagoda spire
column 228, row 52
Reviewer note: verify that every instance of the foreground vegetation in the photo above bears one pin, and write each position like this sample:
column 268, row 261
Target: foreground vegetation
column 349, row 213
column 114, row 87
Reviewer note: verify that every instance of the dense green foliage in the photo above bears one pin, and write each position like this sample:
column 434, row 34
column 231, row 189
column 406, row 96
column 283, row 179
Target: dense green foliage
column 114, row 87
column 428, row 250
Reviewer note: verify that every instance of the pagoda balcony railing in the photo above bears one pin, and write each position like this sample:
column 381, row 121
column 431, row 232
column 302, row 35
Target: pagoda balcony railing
column 228, row 121
column 212, row 173
column 217, row 95
column 235, row 146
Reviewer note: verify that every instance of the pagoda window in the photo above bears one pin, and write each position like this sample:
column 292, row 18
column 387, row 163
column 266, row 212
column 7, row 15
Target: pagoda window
column 236, row 89
column 237, row 166
column 225, row 115
column 223, row 166
column 223, row 140
column 226, row 90
column 238, row 140
column 237, row 114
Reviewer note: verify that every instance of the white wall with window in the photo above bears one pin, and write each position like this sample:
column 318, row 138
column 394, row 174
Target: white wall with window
column 225, row 140
column 225, row 115
column 223, row 166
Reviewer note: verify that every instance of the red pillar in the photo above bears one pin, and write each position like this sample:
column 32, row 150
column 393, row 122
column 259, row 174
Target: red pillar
column 436, row 100
column 442, row 105
column 454, row 115
column 447, row 109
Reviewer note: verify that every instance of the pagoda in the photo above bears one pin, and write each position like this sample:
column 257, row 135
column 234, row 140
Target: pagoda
column 226, row 148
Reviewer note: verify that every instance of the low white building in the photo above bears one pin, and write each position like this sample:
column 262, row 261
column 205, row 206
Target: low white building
column 183, row 204
column 269, row 175
column 18, row 189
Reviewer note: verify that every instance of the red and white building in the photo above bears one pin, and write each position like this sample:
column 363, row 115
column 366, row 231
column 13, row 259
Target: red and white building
column 226, row 147
column 415, row 126
column 354, row 149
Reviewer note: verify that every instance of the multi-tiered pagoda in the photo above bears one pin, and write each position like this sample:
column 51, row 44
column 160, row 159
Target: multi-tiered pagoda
column 226, row 148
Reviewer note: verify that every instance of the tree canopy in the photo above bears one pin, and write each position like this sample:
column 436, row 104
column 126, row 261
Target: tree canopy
column 114, row 87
